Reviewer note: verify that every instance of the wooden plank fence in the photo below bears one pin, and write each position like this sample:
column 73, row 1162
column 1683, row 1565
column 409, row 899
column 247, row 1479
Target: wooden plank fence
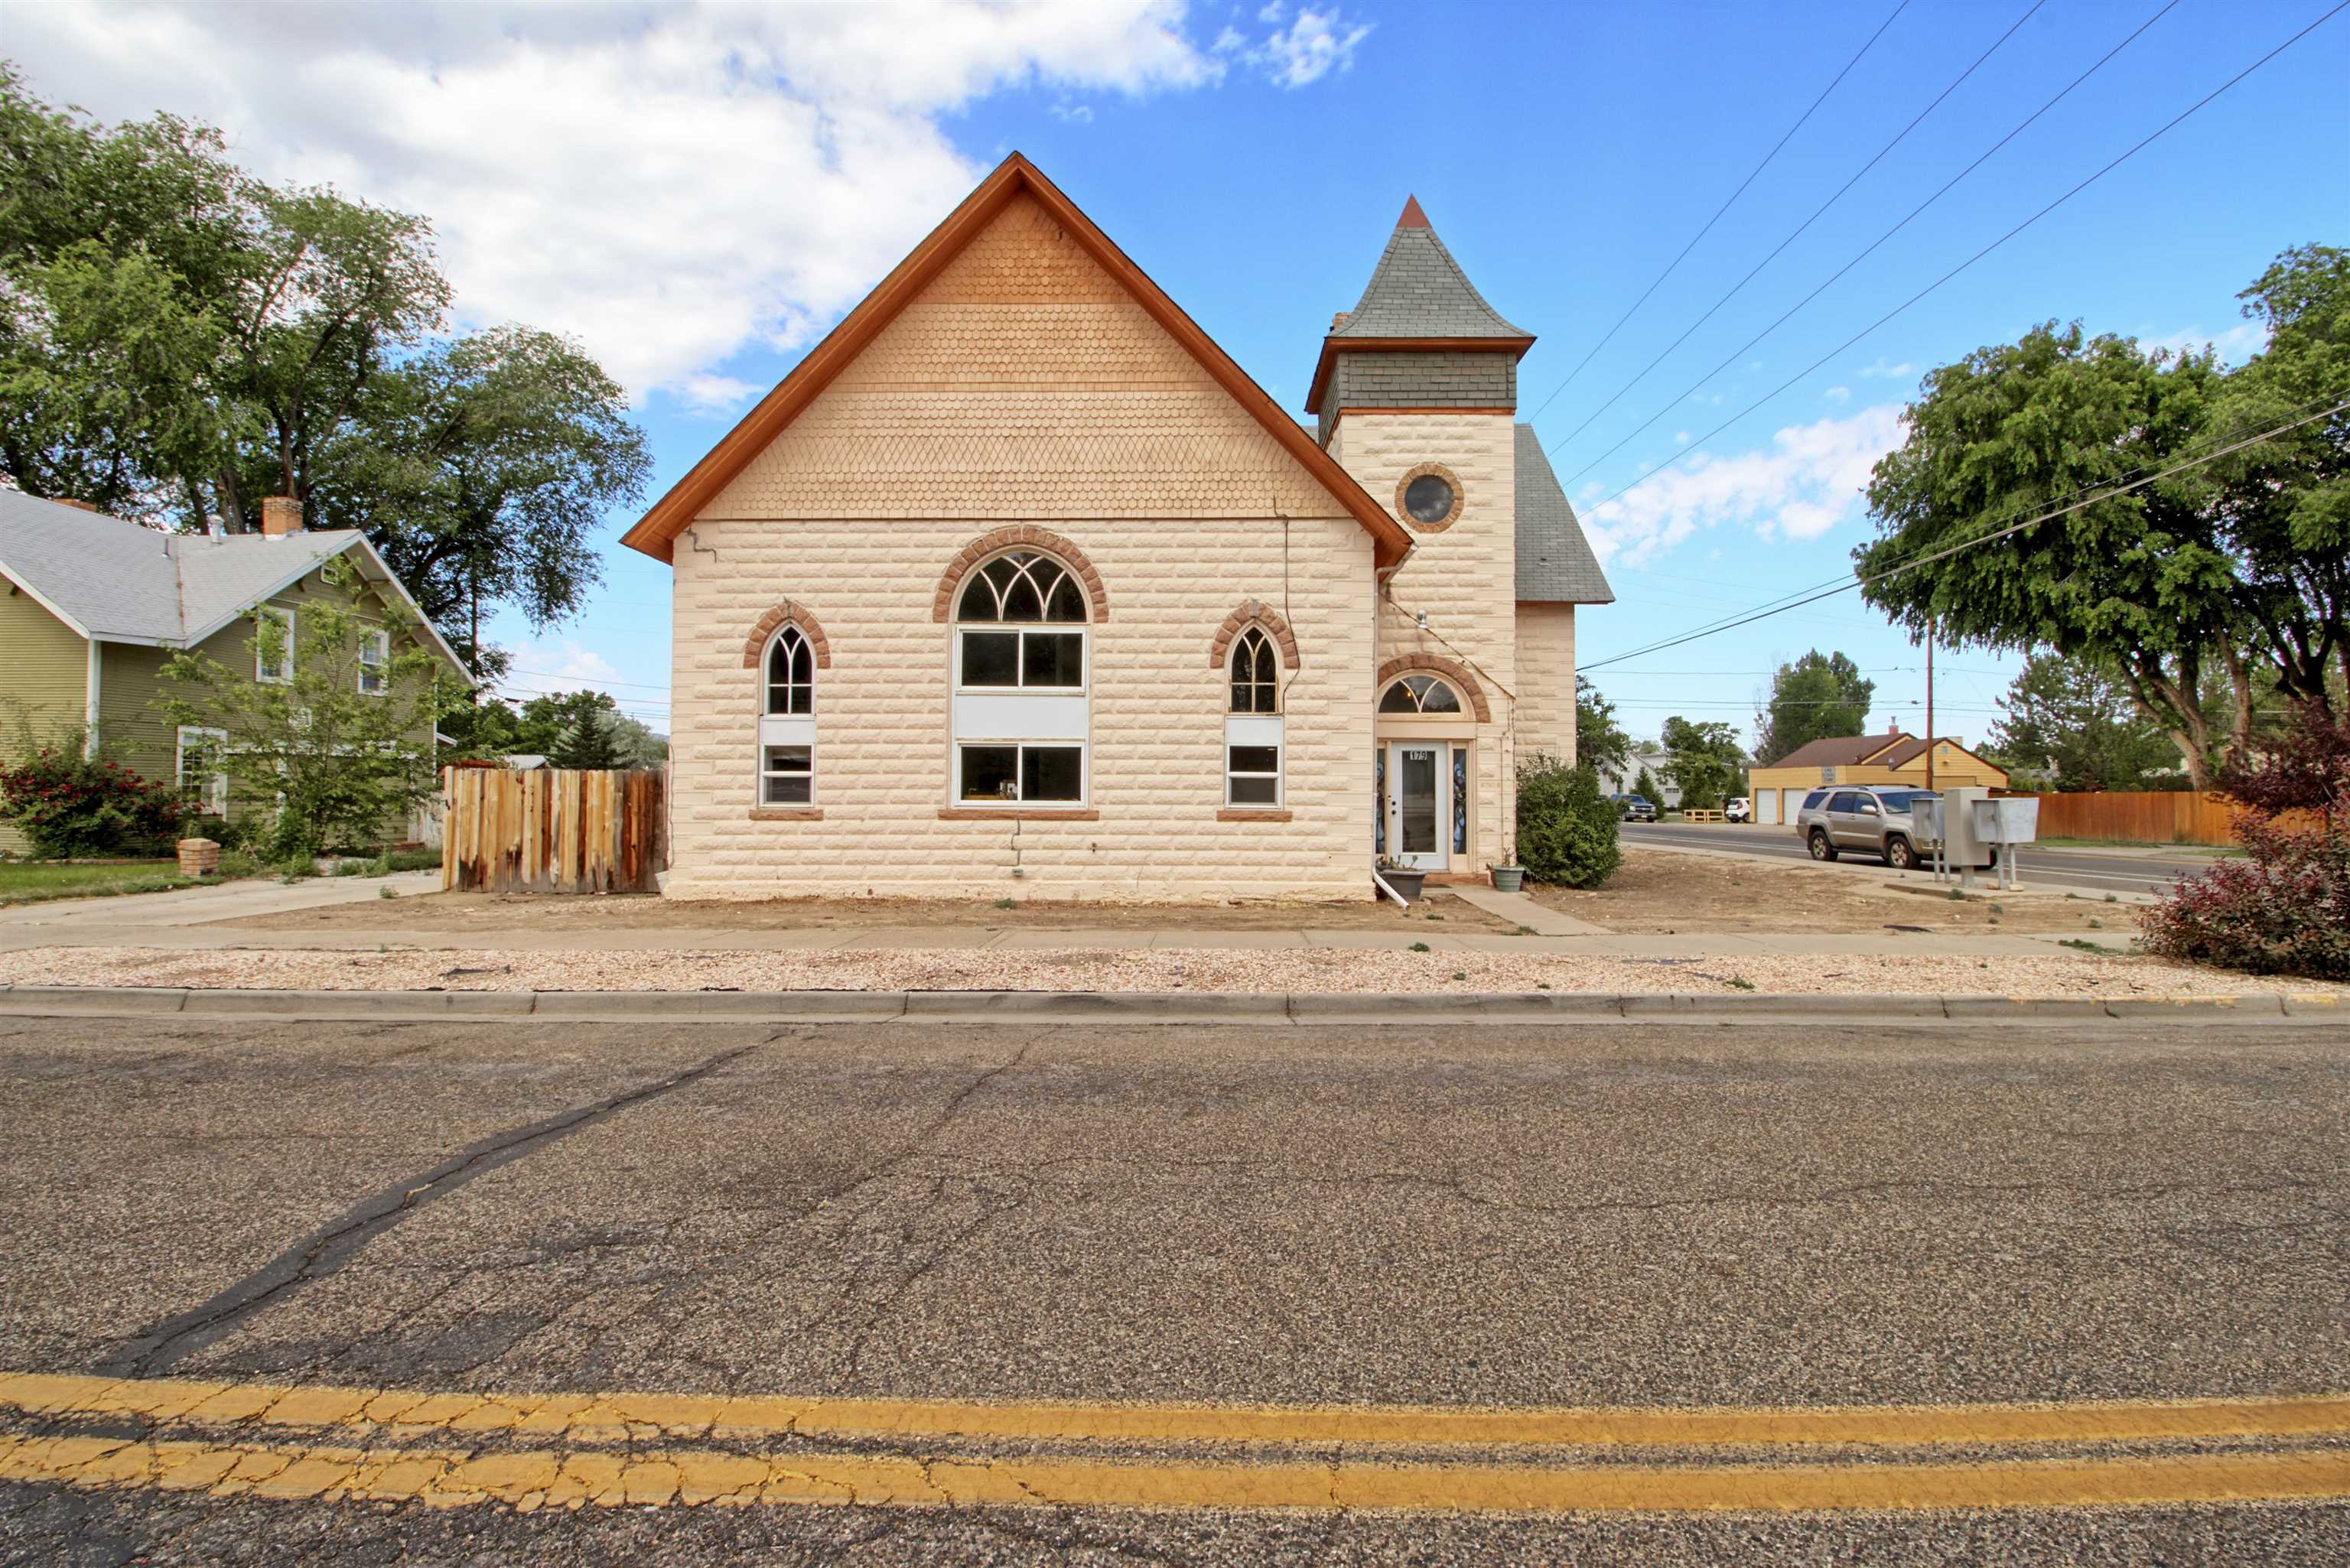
column 2175, row 816
column 552, row 830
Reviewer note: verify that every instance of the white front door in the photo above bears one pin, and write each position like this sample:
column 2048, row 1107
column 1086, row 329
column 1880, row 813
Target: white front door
column 1419, row 804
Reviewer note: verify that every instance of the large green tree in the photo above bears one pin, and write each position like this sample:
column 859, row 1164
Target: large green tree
column 1704, row 761
column 2236, row 569
column 1816, row 697
column 180, row 340
column 2071, row 725
column 1601, row 743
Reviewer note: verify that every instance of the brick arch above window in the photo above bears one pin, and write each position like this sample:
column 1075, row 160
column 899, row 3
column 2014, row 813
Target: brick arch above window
column 1451, row 669
column 1254, row 613
column 1024, row 536
column 788, row 613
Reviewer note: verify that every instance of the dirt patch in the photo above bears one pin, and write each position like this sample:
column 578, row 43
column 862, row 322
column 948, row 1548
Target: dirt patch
column 488, row 913
column 1660, row 893
column 1319, row 970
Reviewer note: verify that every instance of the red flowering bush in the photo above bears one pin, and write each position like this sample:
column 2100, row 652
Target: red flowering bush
column 67, row 804
column 2285, row 909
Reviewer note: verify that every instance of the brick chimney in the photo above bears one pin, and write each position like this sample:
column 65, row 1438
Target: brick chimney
column 280, row 514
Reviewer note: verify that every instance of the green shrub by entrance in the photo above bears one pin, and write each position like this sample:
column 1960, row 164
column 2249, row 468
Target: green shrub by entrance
column 1566, row 828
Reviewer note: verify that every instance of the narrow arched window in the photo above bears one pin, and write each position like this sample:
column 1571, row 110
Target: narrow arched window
column 788, row 721
column 1256, row 674
column 1421, row 694
column 1021, row 708
column 791, row 674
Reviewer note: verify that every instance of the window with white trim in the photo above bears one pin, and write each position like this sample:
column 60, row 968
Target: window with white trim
column 1021, row 709
column 273, row 643
column 1252, row 737
column 1256, row 674
column 203, row 783
column 787, row 719
column 375, row 658
column 1421, row 694
column 1252, row 776
column 787, row 775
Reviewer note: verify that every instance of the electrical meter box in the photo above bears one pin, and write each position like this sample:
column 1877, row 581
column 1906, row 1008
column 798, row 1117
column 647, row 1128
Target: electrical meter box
column 2010, row 819
column 1925, row 820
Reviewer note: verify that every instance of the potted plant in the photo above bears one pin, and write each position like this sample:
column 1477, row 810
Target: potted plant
column 1506, row 878
column 1405, row 880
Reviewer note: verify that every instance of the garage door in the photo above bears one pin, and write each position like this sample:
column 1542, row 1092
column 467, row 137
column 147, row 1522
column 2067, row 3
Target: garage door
column 1766, row 807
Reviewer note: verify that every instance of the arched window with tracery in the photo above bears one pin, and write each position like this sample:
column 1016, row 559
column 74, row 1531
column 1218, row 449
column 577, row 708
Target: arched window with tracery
column 1421, row 694
column 1021, row 644
column 787, row 719
column 1256, row 673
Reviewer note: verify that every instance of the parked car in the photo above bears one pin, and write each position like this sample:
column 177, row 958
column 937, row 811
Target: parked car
column 1633, row 808
column 1739, row 810
column 1864, row 819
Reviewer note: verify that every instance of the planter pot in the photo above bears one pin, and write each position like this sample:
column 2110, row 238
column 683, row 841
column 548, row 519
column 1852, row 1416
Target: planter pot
column 1407, row 884
column 1506, row 878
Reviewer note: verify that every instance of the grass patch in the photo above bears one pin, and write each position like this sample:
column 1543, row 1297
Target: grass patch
column 1740, row 983
column 2085, row 947
column 31, row 881
column 1421, row 948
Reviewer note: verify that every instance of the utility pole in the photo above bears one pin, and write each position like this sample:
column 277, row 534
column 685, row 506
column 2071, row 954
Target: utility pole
column 1929, row 703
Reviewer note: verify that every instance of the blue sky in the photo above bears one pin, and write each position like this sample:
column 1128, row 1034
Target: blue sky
column 699, row 193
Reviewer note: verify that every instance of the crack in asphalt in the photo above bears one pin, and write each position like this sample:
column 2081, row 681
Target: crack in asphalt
column 331, row 1246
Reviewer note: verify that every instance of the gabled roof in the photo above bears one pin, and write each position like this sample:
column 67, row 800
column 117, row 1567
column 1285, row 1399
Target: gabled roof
column 113, row 580
column 1418, row 298
column 1555, row 564
column 1841, row 750
column 1911, row 749
column 656, row 532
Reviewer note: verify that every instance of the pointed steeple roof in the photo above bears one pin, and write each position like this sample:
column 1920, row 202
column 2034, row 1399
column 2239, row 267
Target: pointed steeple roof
column 1417, row 290
column 1417, row 296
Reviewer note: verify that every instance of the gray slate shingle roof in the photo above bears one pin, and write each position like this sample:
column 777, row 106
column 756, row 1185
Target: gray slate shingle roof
column 1555, row 561
column 1417, row 290
column 116, row 581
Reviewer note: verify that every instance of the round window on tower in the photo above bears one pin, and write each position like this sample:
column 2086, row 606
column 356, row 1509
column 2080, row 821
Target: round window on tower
column 1429, row 497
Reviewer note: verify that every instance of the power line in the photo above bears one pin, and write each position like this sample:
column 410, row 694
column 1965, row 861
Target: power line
column 1725, row 207
column 1946, row 186
column 1797, row 232
column 1859, row 582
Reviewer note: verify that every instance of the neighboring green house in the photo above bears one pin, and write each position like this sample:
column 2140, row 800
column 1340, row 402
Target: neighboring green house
column 93, row 606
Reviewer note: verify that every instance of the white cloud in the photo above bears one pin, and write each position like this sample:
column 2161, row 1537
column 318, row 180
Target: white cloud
column 564, row 665
column 711, row 396
column 1884, row 367
column 1838, row 394
column 1680, row 437
column 1314, row 44
column 1808, row 479
column 1074, row 113
column 670, row 184
column 2236, row 344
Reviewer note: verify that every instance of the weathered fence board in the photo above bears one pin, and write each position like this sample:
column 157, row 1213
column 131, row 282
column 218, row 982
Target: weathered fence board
column 552, row 830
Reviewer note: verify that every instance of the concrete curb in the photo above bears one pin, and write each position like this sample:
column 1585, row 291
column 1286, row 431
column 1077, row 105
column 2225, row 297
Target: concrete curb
column 1148, row 1007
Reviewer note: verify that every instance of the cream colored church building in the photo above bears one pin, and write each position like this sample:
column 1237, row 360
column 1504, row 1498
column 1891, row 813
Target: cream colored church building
column 1018, row 586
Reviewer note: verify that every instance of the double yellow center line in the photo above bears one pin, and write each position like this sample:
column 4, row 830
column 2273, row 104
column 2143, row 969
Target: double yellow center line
column 453, row 1449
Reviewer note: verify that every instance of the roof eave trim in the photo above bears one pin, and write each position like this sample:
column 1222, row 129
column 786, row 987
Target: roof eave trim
column 54, row 608
column 356, row 542
column 655, row 533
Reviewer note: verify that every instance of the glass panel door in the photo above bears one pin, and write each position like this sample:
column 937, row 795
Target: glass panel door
column 1419, row 805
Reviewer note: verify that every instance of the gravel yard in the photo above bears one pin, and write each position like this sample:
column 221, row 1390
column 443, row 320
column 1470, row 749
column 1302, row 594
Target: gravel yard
column 1178, row 969
column 1659, row 892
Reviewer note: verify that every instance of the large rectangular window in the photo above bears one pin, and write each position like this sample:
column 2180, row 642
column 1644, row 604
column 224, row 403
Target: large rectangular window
column 203, row 785
column 1048, row 775
column 788, row 776
column 1014, row 660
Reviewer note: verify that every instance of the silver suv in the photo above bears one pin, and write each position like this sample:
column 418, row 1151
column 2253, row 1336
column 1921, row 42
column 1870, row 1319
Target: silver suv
column 1864, row 819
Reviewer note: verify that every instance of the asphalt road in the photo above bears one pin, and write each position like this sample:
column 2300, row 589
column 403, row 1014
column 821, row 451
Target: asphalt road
column 1453, row 1216
column 2037, row 867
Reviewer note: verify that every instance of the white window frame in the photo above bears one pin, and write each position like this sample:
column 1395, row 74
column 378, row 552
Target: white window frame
column 379, row 642
column 1024, row 631
column 1021, row 746
column 767, row 683
column 766, row 772
column 1252, row 636
column 1230, row 774
column 260, row 659
column 214, row 800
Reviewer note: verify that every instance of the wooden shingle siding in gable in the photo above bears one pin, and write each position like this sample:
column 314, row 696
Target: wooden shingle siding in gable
column 1024, row 382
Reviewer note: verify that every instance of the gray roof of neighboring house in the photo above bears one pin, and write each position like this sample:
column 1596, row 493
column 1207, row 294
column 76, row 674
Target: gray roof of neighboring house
column 1417, row 290
column 113, row 580
column 1555, row 561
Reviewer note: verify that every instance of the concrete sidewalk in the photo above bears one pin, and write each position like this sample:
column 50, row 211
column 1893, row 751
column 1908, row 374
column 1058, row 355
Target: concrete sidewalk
column 197, row 906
